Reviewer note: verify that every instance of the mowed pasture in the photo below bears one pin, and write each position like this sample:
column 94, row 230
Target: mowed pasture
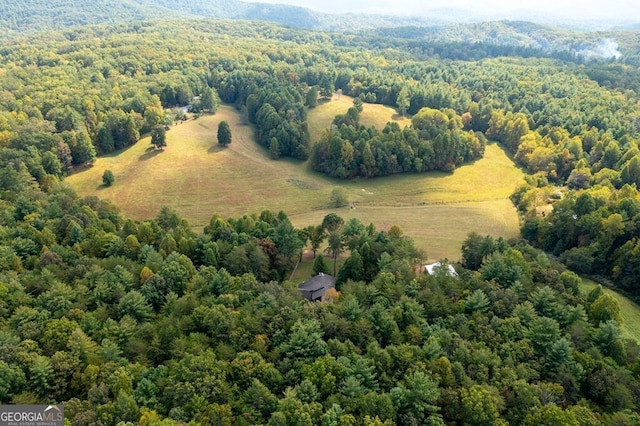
column 320, row 117
column 198, row 179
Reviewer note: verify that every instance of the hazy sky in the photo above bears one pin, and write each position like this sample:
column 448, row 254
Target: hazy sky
column 626, row 9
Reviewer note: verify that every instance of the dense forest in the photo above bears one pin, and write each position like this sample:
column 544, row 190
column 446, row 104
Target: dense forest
column 152, row 323
column 148, row 322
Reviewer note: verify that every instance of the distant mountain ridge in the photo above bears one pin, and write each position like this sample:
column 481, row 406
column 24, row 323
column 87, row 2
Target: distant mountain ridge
column 515, row 33
column 20, row 16
column 450, row 24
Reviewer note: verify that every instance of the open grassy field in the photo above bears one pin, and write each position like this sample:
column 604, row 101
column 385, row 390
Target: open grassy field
column 320, row 117
column 629, row 310
column 197, row 178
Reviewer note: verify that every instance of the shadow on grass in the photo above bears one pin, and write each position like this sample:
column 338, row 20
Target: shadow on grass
column 79, row 169
column 216, row 148
column 150, row 153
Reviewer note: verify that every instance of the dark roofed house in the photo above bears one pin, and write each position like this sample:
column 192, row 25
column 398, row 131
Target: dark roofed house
column 315, row 288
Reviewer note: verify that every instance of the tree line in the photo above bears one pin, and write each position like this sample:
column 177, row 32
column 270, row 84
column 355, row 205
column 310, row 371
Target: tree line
column 435, row 141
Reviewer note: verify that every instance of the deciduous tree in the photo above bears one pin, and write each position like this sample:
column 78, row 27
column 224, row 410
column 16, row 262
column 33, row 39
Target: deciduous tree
column 317, row 235
column 108, row 178
column 159, row 137
column 339, row 197
column 209, row 100
column 224, row 134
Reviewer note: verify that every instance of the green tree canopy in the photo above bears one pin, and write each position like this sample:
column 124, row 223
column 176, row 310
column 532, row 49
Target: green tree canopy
column 108, row 178
column 320, row 265
column 224, row 133
column 159, row 137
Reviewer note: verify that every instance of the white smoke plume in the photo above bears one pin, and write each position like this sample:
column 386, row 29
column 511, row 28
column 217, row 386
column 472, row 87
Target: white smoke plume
column 606, row 49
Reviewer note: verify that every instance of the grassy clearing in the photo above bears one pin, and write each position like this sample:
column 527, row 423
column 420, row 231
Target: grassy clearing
column 197, row 178
column 321, row 117
column 629, row 310
column 438, row 228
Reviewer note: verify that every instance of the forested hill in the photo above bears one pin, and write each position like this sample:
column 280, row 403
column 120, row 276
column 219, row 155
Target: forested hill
column 36, row 15
column 436, row 26
column 33, row 15
column 475, row 41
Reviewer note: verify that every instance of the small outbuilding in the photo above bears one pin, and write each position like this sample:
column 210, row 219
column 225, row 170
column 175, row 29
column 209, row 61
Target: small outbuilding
column 314, row 289
column 438, row 267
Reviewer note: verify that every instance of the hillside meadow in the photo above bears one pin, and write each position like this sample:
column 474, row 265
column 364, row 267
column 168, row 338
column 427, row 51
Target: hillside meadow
column 198, row 178
column 629, row 310
column 377, row 115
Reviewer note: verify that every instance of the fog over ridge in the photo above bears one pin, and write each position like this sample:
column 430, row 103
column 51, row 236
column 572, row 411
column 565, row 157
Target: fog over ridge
column 622, row 10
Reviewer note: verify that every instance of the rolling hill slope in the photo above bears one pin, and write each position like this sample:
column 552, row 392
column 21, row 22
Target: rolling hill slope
column 433, row 26
column 197, row 178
